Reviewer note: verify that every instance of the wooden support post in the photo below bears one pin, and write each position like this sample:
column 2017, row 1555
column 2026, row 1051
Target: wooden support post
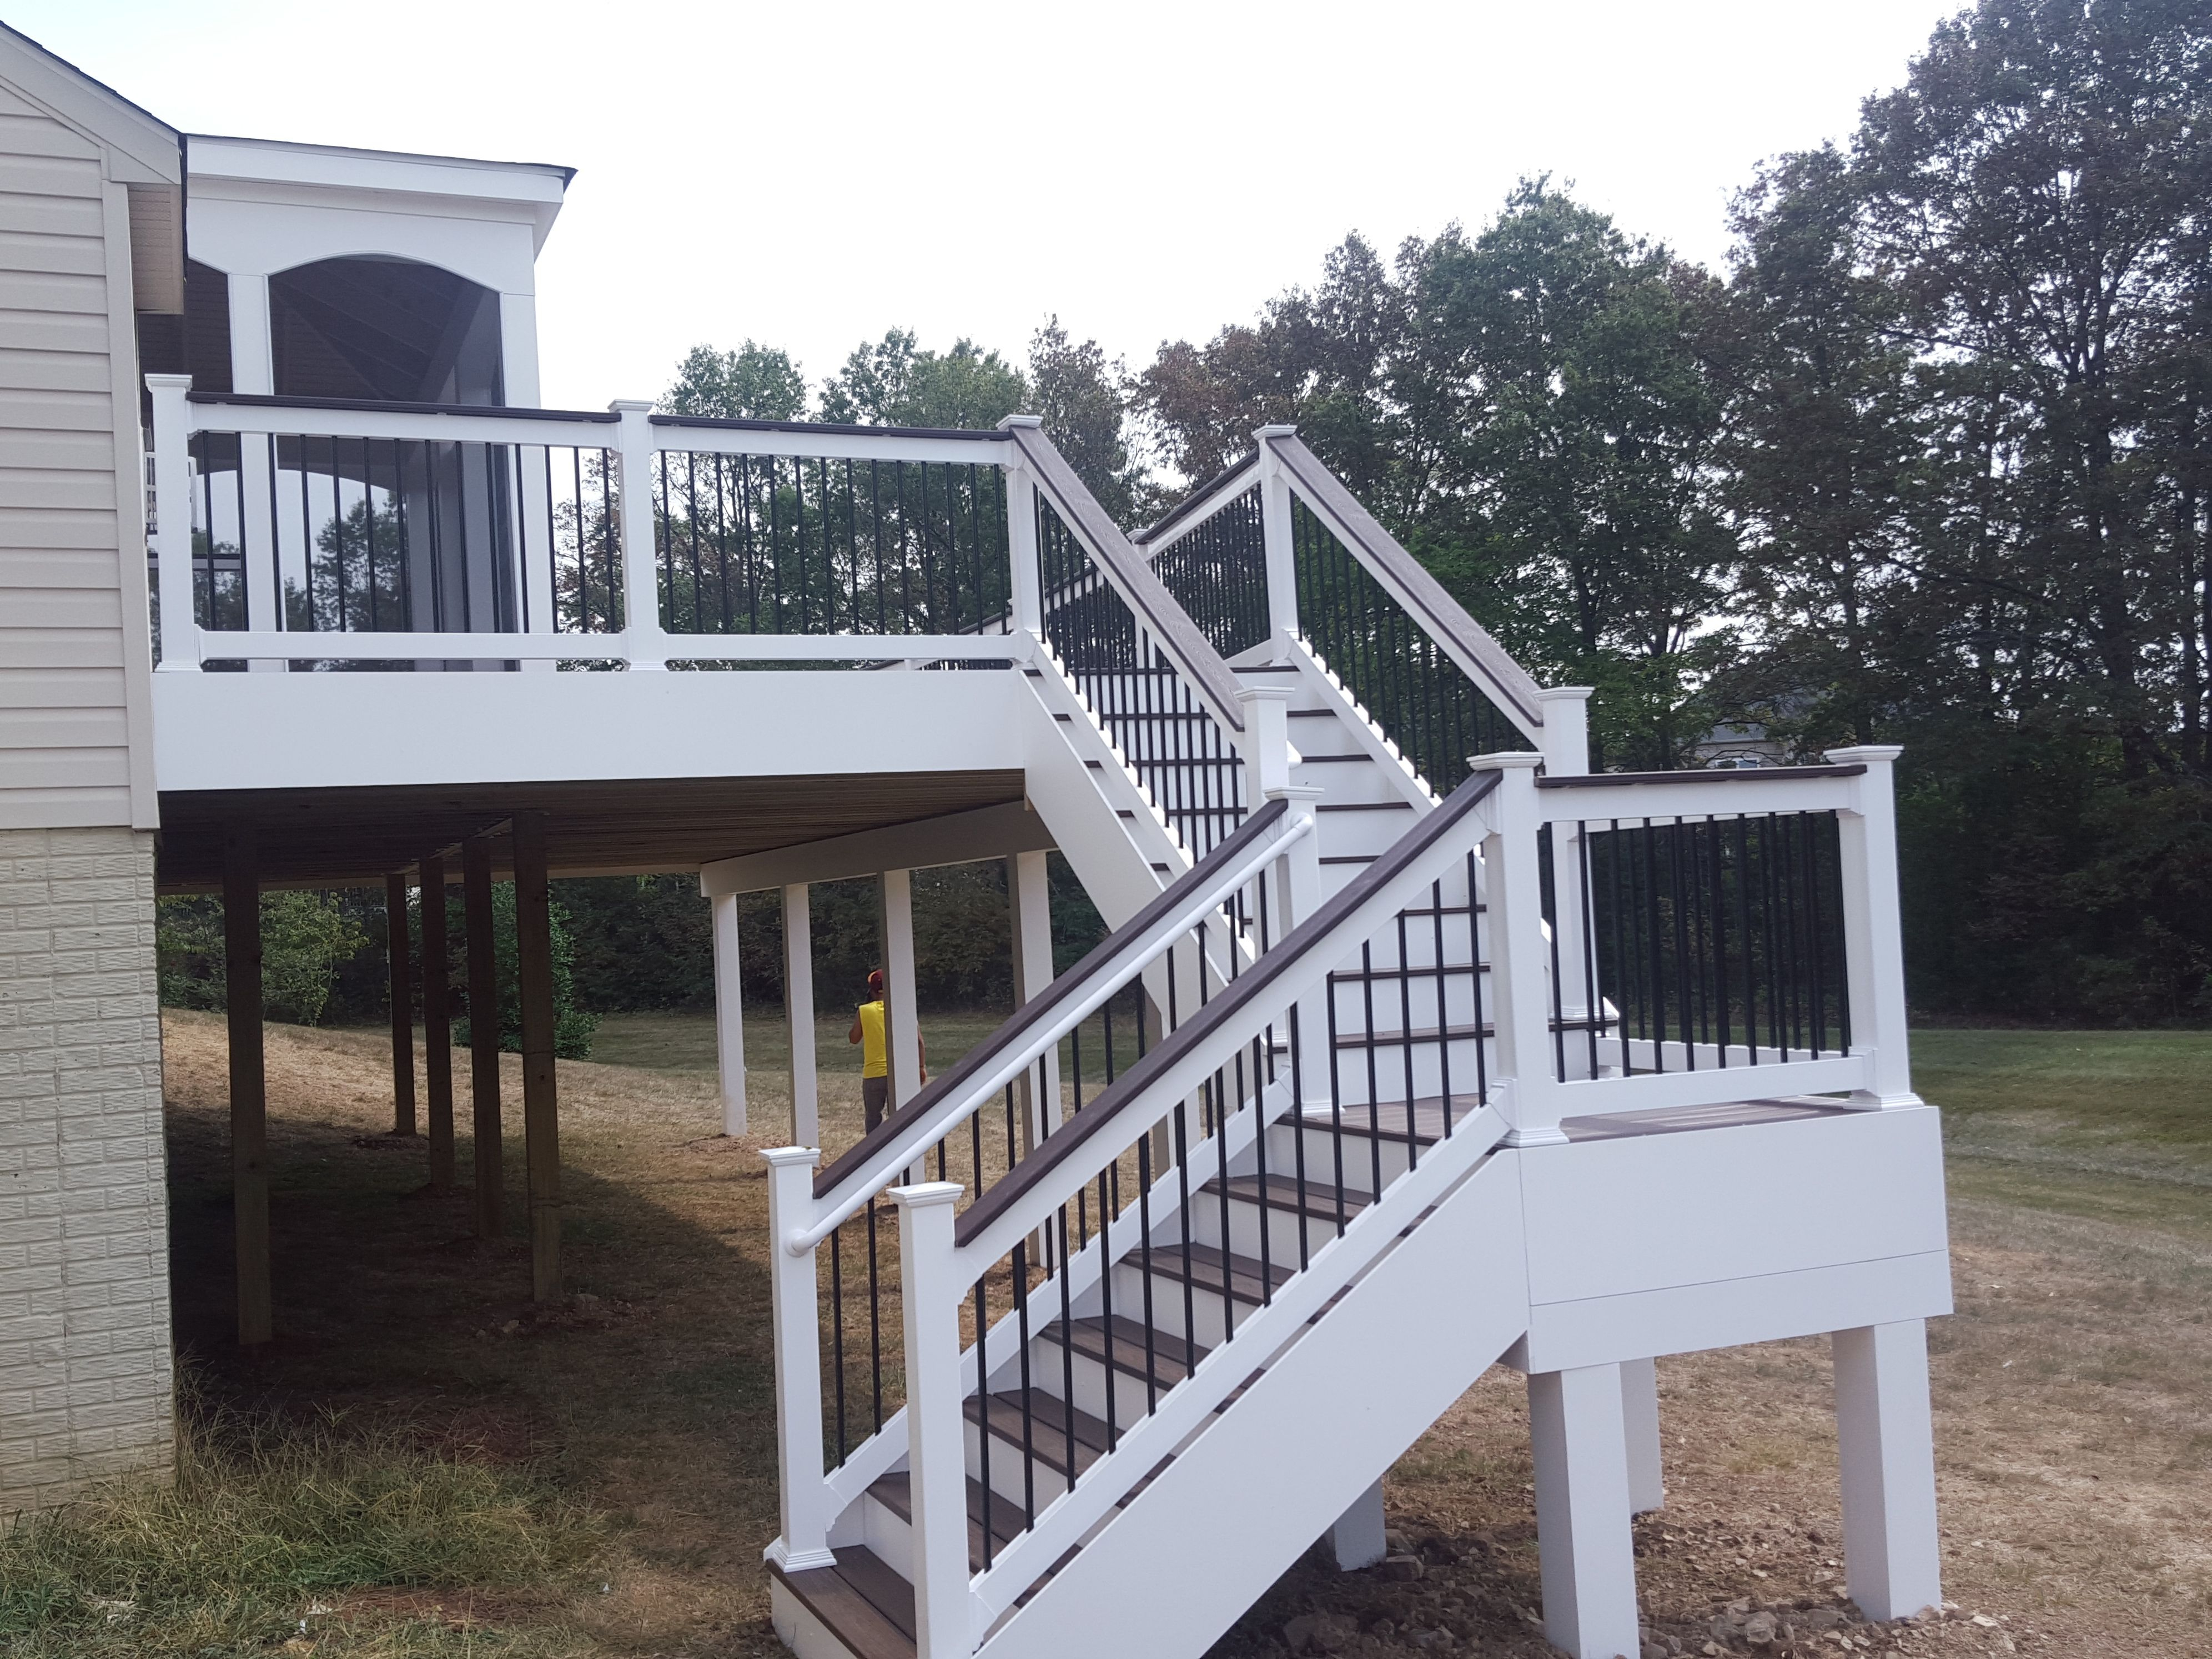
column 798, row 1015
column 729, row 1014
column 484, row 1030
column 249, row 1094
column 437, row 1022
column 541, row 1100
column 402, row 1004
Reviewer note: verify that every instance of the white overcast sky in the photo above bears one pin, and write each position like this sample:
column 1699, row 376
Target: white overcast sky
column 813, row 174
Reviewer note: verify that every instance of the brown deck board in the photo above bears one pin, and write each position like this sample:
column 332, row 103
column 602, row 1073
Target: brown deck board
column 1209, row 1268
column 846, row 1610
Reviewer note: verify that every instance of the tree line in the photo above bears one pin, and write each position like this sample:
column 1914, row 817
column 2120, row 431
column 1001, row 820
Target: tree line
column 1926, row 461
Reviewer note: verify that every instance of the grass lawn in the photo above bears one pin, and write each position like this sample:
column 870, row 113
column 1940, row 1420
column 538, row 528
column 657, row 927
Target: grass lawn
column 424, row 1463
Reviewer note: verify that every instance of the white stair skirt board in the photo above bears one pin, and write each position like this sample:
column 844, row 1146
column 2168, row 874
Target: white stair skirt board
column 1233, row 1501
column 1583, row 1535
column 1639, row 1417
column 1358, row 1538
column 1886, row 1442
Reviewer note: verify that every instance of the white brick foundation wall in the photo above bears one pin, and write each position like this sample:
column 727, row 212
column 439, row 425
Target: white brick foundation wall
column 85, row 1377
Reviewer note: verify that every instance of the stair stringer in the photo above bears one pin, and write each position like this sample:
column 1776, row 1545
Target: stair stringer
column 1250, row 1491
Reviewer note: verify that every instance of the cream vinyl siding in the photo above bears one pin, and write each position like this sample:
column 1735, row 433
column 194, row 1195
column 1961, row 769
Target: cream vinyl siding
column 65, row 750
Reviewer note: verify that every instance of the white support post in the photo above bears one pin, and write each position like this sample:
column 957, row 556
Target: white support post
column 1026, row 584
column 1639, row 1416
column 901, row 1018
column 645, row 641
column 1886, row 1444
column 1028, row 901
column 1359, row 1539
column 798, row 1014
column 1267, row 740
column 729, row 1015
column 1278, row 539
column 1584, row 1541
column 173, row 521
column 1520, row 1007
column 806, row 1507
column 1874, row 928
column 937, row 1466
column 1564, row 743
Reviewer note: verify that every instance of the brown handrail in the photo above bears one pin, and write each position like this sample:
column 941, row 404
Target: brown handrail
column 1133, row 578
column 1442, row 615
column 1712, row 774
column 1233, row 1002
column 1216, row 485
column 1040, row 1009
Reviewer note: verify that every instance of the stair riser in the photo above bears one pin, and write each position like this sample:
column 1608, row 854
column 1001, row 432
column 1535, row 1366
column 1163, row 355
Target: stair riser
column 1360, row 1157
column 1344, row 833
column 1006, row 1467
column 1244, row 1222
column 888, row 1534
column 1421, row 947
column 1090, row 1376
column 1357, row 1083
column 1208, row 1327
column 1380, row 1004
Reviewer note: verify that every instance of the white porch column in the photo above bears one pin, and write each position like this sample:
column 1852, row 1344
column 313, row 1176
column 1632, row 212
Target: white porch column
column 929, row 1301
column 1885, row 1442
column 805, row 1506
column 1025, row 581
column 1583, row 1536
column 1874, row 928
column 253, row 370
column 798, row 1014
column 1639, row 1415
column 1029, row 904
column 1279, row 538
column 729, row 1015
column 901, row 1018
column 1357, row 1538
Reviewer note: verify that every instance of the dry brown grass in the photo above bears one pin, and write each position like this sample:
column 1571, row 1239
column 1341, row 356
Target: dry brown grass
column 2070, row 1387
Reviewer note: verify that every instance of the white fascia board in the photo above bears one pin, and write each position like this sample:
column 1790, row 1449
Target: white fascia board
column 529, row 192
column 1660, row 1211
column 349, row 731
column 985, row 832
column 259, row 230
column 140, row 149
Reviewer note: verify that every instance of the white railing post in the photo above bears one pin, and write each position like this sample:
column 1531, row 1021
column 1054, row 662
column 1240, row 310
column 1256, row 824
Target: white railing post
column 937, row 1459
column 1564, row 744
column 1297, row 895
column 172, row 520
column 1522, row 1087
column 645, row 643
column 1266, row 742
column 799, row 1013
column 1026, row 584
column 1873, row 928
column 806, row 1497
column 1279, row 537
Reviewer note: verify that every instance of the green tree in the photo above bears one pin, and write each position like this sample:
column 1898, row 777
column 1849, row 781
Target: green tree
column 895, row 382
column 307, row 937
column 753, row 383
column 1084, row 400
column 572, row 1025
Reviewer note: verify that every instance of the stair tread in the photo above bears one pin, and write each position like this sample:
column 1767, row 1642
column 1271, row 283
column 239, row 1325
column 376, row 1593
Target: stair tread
column 1355, row 975
column 1209, row 1267
column 1050, row 1422
column 1169, row 1364
column 848, row 1599
column 1431, row 1034
column 1365, row 807
column 894, row 1492
column 1319, row 1200
column 1387, row 1121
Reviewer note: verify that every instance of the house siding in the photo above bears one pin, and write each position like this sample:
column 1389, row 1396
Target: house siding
column 86, row 1386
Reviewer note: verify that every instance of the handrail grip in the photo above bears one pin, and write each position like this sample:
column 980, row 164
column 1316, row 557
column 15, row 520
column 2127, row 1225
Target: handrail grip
column 1071, row 999
column 1133, row 579
column 1443, row 617
column 1233, row 1000
column 378, row 406
column 1231, row 480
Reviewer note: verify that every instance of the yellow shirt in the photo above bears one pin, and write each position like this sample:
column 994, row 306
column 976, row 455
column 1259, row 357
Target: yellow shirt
column 874, row 1061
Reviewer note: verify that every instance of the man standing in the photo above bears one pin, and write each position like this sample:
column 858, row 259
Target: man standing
column 875, row 1056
